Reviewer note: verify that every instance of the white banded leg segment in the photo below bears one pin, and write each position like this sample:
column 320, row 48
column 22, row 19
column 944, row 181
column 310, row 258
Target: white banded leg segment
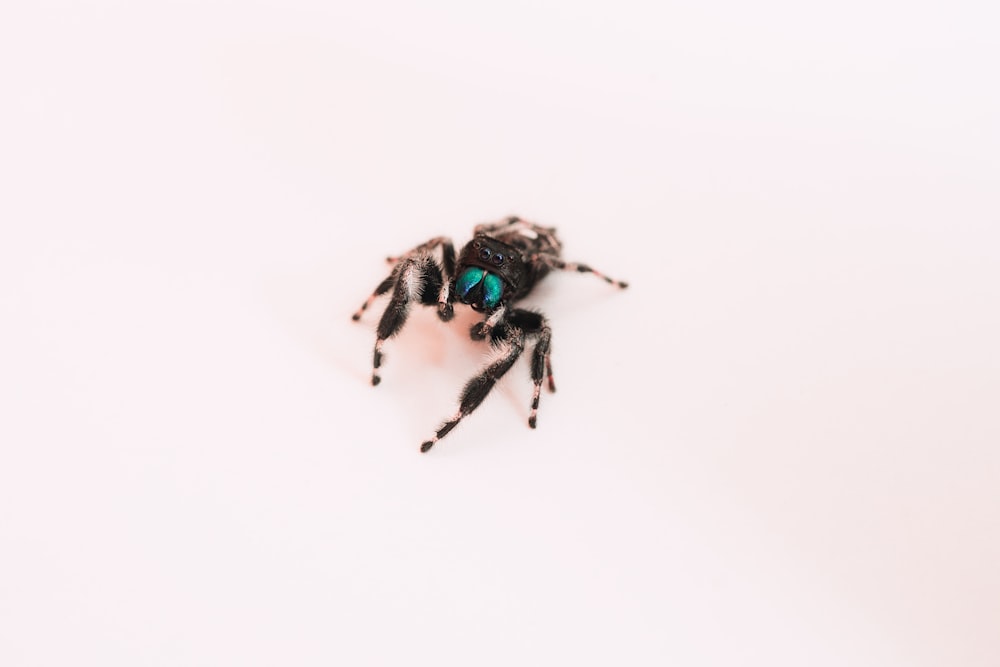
column 539, row 364
column 479, row 387
column 533, row 417
column 497, row 315
column 482, row 329
column 382, row 288
column 557, row 263
column 409, row 277
column 443, row 431
column 445, row 308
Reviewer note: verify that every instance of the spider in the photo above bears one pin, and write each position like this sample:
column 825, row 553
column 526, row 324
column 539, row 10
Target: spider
column 500, row 266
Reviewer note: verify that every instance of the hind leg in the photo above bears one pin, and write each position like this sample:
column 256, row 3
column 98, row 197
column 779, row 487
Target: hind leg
column 382, row 288
column 554, row 262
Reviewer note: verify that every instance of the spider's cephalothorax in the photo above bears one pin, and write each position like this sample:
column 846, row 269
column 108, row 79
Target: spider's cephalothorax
column 501, row 265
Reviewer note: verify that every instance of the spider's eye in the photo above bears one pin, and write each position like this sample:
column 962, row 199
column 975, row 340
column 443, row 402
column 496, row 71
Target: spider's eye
column 469, row 279
column 498, row 259
column 492, row 290
column 484, row 254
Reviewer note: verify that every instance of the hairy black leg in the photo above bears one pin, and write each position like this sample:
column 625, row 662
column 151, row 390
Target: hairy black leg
column 411, row 276
column 415, row 275
column 556, row 263
column 534, row 324
column 446, row 298
column 539, row 359
column 481, row 330
column 447, row 267
column 508, row 349
column 382, row 288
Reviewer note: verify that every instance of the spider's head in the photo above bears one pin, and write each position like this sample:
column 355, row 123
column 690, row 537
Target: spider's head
column 487, row 271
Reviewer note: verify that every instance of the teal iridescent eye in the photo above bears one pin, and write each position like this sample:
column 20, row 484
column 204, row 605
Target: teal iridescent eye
column 469, row 279
column 492, row 290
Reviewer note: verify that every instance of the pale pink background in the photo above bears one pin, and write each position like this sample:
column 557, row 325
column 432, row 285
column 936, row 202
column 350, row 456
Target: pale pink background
column 780, row 447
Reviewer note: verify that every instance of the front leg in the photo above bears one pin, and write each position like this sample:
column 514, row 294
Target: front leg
column 414, row 279
column 446, row 267
column 508, row 349
column 480, row 330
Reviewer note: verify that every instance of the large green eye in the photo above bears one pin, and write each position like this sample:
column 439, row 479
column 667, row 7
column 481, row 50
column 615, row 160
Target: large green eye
column 492, row 290
column 469, row 279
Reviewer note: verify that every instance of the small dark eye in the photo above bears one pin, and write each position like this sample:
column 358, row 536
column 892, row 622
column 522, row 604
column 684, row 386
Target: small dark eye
column 477, row 245
column 498, row 259
column 485, row 253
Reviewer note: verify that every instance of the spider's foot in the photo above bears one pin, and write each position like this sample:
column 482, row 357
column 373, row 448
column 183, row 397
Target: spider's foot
column 533, row 421
column 376, row 362
column 552, row 384
column 446, row 311
column 356, row 316
column 611, row 281
column 583, row 268
column 480, row 330
column 443, row 431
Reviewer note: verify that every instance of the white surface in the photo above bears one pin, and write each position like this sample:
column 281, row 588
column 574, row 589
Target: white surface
column 780, row 447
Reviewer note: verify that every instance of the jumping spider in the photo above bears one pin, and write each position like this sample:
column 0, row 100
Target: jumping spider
column 500, row 266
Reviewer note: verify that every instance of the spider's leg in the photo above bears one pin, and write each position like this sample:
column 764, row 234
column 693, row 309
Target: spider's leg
column 508, row 349
column 382, row 288
column 548, row 369
column 446, row 299
column 535, row 324
column 556, row 263
column 481, row 330
column 413, row 277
